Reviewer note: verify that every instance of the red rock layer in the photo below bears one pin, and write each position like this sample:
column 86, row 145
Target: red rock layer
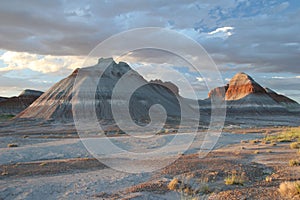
column 242, row 85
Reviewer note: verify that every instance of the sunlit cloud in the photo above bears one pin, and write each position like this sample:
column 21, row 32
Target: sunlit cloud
column 40, row 63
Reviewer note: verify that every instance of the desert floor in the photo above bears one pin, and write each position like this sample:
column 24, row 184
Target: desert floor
column 44, row 166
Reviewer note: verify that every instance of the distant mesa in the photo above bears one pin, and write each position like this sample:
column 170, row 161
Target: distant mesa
column 14, row 105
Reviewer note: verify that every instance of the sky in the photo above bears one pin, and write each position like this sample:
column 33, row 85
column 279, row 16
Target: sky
column 42, row 42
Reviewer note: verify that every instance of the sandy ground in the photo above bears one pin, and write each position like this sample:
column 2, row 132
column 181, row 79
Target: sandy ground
column 58, row 168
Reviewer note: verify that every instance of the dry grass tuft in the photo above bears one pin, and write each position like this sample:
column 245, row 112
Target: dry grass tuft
column 256, row 152
column 290, row 189
column 235, row 179
column 295, row 145
column 269, row 179
column 174, row 184
column 294, row 163
column 12, row 145
column 254, row 141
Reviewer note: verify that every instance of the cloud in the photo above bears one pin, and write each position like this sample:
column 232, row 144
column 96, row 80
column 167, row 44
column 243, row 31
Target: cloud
column 200, row 79
column 223, row 32
column 45, row 64
column 54, row 37
column 14, row 86
column 189, row 86
column 75, row 28
column 264, row 31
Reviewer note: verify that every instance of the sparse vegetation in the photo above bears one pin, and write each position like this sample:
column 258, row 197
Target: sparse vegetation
column 4, row 172
column 12, row 145
column 294, row 163
column 295, row 145
column 254, row 141
column 269, row 179
column 190, row 186
column 265, row 142
column 290, row 135
column 290, row 189
column 6, row 117
column 273, row 144
column 205, row 189
column 235, row 179
column 174, row 184
column 256, row 152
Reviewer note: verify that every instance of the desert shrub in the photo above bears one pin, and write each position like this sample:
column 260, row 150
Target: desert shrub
column 290, row 189
column 205, row 189
column 174, row 184
column 256, row 152
column 254, row 141
column 188, row 190
column 295, row 145
column 294, row 163
column 4, row 171
column 235, row 179
column 269, row 179
column 12, row 145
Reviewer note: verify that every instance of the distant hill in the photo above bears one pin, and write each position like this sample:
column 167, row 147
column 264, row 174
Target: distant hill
column 244, row 97
column 14, row 105
column 3, row 98
column 56, row 103
column 243, row 92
